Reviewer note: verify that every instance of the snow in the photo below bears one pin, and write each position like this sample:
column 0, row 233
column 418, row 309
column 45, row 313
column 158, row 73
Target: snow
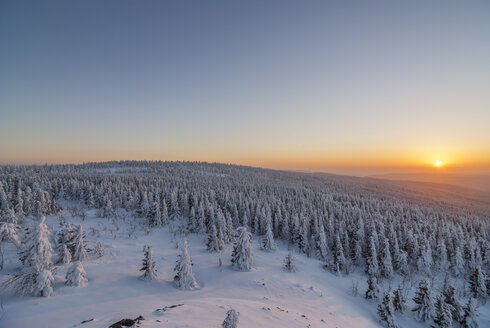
column 266, row 296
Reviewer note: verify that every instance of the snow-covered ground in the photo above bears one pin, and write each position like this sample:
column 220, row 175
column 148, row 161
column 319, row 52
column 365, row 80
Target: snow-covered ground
column 267, row 296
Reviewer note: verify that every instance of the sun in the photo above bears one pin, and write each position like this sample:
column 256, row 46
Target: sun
column 438, row 163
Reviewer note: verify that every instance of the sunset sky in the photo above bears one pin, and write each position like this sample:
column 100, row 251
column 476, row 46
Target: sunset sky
column 357, row 87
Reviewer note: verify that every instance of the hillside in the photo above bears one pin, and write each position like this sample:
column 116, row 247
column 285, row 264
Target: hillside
column 343, row 231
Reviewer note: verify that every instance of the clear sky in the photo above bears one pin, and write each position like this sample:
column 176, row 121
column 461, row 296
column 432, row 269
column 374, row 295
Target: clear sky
column 358, row 87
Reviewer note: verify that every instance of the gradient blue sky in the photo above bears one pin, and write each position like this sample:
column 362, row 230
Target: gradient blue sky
column 324, row 85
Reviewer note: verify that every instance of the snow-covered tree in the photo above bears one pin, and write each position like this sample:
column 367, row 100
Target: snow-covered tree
column 76, row 275
column 469, row 317
column 386, row 310
column 372, row 266
column 458, row 262
column 37, row 250
column 322, row 248
column 242, row 256
column 373, row 288
column 443, row 315
column 399, row 300
column 44, row 283
column 386, row 262
column 8, row 232
column 339, row 261
column 424, row 308
column 148, row 265
column 478, row 284
column 214, row 243
column 65, row 255
column 289, row 263
column 184, row 277
column 449, row 294
column 268, row 243
column 80, row 253
column 231, row 320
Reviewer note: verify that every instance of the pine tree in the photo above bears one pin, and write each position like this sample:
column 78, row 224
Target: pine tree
column 242, row 256
column 76, row 275
column 402, row 262
column 399, row 300
column 458, row 263
column 148, row 265
column 386, row 262
column 37, row 251
column 214, row 244
column 221, row 240
column 339, row 258
column 372, row 266
column 443, row 316
column 184, row 277
column 80, row 253
column 386, row 310
column 65, row 255
column 373, row 288
column 8, row 232
column 268, row 243
column 478, row 284
column 44, row 283
column 424, row 308
column 155, row 215
column 469, row 317
column 449, row 294
column 65, row 236
column 231, row 320
column 322, row 248
column 289, row 263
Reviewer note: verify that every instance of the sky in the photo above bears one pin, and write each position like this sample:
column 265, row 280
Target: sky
column 357, row 87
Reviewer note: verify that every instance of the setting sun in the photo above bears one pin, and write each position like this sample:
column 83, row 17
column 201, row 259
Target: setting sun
column 438, row 163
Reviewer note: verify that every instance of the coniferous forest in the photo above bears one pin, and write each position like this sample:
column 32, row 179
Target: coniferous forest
column 409, row 256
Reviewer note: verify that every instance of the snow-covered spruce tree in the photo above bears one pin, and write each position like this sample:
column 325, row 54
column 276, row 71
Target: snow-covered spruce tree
column 65, row 255
column 372, row 266
column 469, row 317
column 372, row 291
column 65, row 236
column 221, row 240
column 80, row 253
column 231, row 320
column 155, row 215
column 148, row 265
column 424, row 308
column 76, row 275
column 289, row 263
column 322, row 248
column 443, row 315
column 386, row 262
column 214, row 244
column 268, row 243
column 477, row 284
column 401, row 262
column 184, row 277
column 339, row 262
column 449, row 294
column 242, row 256
column 37, row 250
column 8, row 233
column 44, row 283
column 386, row 310
column 399, row 300
column 458, row 262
